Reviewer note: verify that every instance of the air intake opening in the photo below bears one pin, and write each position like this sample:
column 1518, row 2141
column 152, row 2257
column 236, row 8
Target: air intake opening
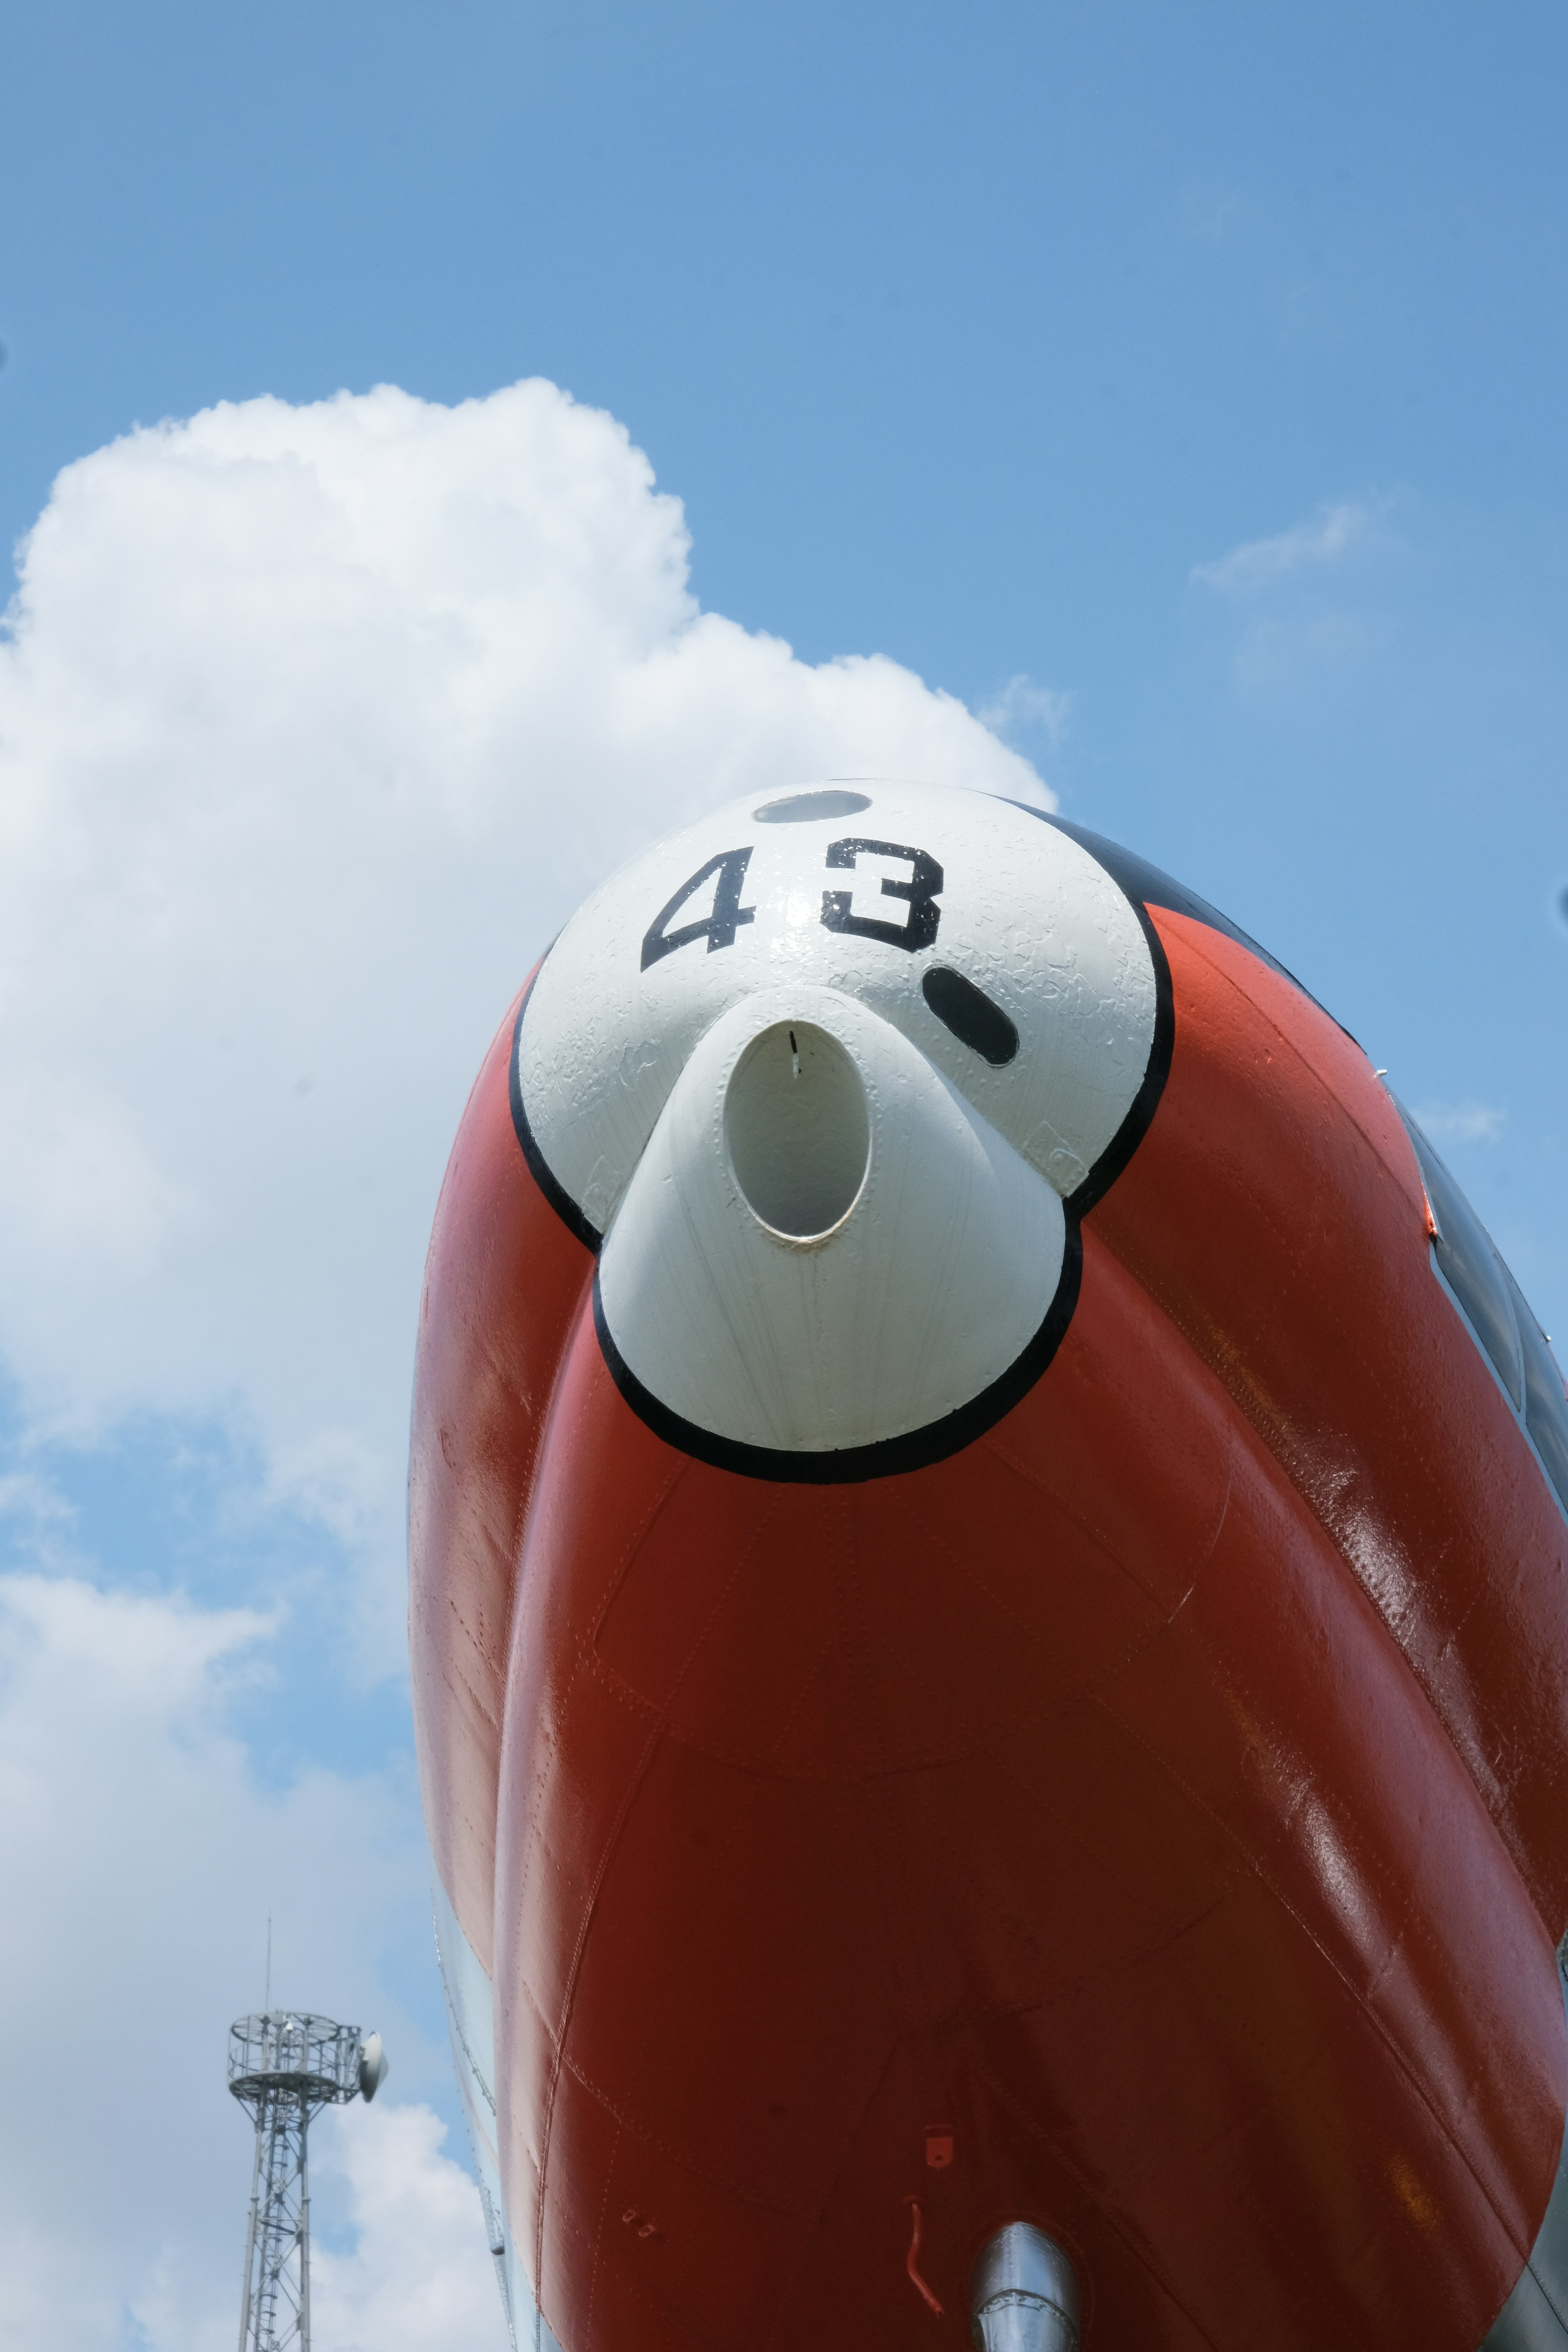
column 797, row 1129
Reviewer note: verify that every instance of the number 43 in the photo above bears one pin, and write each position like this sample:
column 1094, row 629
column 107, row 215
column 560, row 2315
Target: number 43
column 921, row 892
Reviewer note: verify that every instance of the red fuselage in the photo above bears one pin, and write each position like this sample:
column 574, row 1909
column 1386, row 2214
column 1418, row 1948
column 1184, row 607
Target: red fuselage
column 1149, row 1819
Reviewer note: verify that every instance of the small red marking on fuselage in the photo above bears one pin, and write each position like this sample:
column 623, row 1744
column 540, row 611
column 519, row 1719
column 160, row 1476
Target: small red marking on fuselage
column 912, row 2260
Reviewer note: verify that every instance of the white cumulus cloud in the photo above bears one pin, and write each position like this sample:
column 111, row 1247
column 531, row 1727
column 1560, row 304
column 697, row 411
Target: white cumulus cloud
column 418, row 2277
column 315, row 723
column 139, row 1850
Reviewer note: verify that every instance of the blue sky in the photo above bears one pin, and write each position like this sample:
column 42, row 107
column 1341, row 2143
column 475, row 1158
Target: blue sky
column 964, row 335
column 1181, row 389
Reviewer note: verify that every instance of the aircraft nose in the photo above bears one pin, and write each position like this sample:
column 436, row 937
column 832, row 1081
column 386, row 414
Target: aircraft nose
column 828, row 1104
column 824, row 1245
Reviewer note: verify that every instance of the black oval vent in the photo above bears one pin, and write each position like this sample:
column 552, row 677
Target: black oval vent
column 976, row 1019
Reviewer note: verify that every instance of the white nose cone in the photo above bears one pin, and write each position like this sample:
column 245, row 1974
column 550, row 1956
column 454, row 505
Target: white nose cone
column 831, row 1080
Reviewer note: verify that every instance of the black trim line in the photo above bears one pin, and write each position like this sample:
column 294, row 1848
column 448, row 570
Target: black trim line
column 1146, row 1101
column 886, row 1457
column 543, row 1175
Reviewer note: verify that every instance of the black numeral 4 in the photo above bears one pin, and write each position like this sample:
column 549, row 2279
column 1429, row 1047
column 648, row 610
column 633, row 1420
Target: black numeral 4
column 718, row 929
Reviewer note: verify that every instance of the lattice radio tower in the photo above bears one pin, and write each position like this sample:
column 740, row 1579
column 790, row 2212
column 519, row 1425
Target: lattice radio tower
column 284, row 2067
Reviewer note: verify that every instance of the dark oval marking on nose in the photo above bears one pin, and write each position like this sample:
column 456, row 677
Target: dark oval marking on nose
column 976, row 1019
column 805, row 808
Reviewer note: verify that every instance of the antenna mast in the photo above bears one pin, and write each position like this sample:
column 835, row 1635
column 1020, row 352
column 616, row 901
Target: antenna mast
column 283, row 2068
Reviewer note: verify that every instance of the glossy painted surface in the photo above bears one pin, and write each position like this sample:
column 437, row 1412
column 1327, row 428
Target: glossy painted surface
column 1162, row 1800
